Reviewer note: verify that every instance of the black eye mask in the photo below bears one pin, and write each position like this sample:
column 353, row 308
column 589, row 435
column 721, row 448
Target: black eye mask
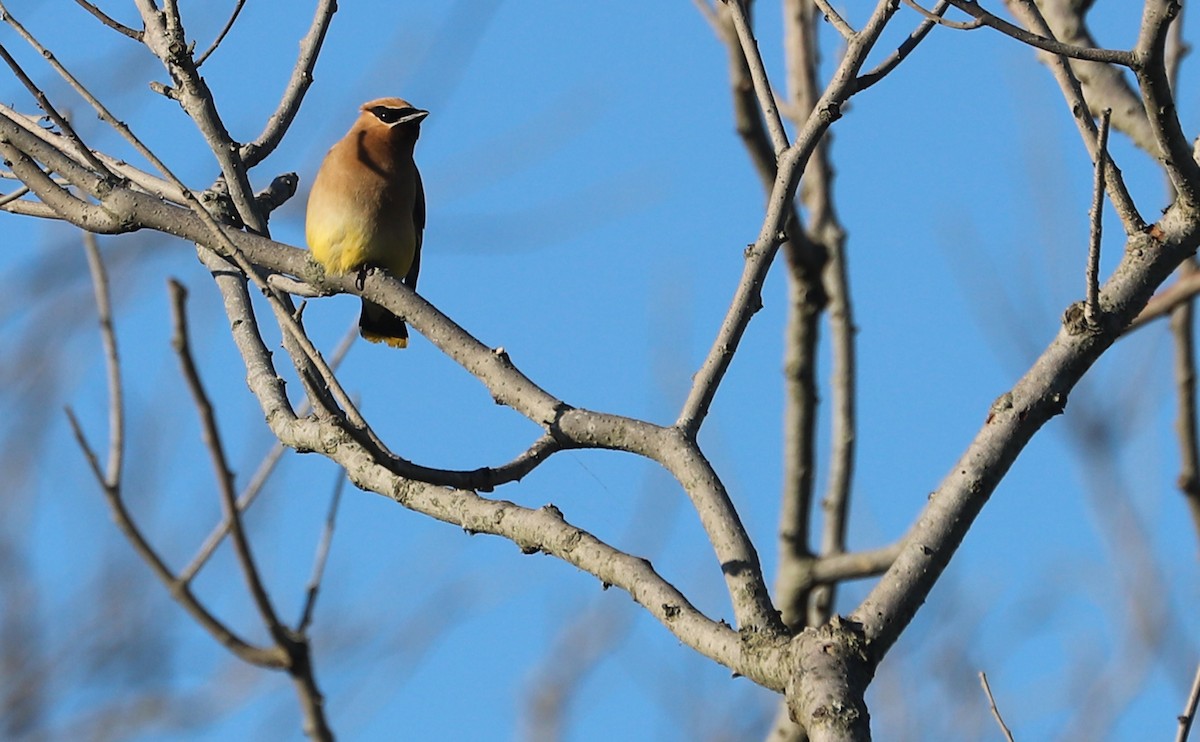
column 392, row 115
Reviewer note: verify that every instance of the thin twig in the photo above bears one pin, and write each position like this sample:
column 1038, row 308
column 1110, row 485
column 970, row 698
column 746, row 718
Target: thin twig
column 1072, row 91
column 1183, row 290
column 259, row 479
column 827, row 234
column 1043, row 40
column 1104, row 85
column 224, row 477
column 845, row 29
column 59, row 120
column 1183, row 316
column 10, row 197
column 278, row 123
column 89, row 453
column 111, row 484
column 748, row 295
column 758, row 73
column 935, row 17
column 1091, row 307
column 867, row 79
column 166, row 38
column 992, row 704
column 1189, row 709
column 1175, row 49
column 109, row 21
column 1186, row 428
column 112, row 362
column 853, row 565
column 314, row 582
column 221, row 36
column 292, row 645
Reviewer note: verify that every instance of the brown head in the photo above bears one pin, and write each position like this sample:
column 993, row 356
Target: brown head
column 393, row 118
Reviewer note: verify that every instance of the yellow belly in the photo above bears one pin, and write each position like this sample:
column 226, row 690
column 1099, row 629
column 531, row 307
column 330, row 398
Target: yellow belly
column 344, row 246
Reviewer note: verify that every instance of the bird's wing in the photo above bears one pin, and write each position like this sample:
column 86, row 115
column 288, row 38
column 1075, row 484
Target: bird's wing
column 410, row 280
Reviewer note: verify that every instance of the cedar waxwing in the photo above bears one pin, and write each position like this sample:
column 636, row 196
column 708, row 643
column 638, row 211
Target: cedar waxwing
column 367, row 207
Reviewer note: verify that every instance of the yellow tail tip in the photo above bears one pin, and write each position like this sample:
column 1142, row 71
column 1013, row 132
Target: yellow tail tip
column 385, row 339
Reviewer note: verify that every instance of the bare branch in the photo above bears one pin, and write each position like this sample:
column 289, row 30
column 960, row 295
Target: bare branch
column 282, row 188
column 934, row 17
column 224, row 477
column 1042, row 39
column 237, row 10
column 1178, row 158
column 855, row 565
column 1091, row 307
column 108, row 21
column 165, row 37
column 758, row 73
column 805, row 257
column 263, row 657
column 748, row 297
column 1189, row 710
column 318, row 571
column 544, row 529
column 255, row 152
column 1039, row 395
column 1175, row 49
column 1118, row 194
column 93, row 218
column 987, row 689
column 30, row 208
column 844, row 432
column 845, row 29
column 579, row 427
column 18, row 193
column 149, row 183
column 259, row 479
column 44, row 103
column 1183, row 290
column 893, row 60
column 112, row 361
column 293, row 645
column 1104, row 85
column 1186, row 429
column 86, row 216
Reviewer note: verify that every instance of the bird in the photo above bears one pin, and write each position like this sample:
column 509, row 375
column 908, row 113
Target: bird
column 366, row 209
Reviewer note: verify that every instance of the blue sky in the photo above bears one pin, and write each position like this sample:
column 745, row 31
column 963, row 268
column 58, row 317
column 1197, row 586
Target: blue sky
column 588, row 206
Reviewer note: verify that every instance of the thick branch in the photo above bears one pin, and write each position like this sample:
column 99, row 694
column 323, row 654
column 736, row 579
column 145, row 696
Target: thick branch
column 533, row 530
column 1039, row 395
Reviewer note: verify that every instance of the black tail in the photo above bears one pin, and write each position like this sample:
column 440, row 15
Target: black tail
column 381, row 326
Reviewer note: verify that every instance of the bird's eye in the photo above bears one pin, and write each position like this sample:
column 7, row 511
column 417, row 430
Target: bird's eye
column 391, row 115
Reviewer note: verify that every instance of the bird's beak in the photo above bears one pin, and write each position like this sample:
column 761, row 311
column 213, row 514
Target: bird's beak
column 413, row 117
